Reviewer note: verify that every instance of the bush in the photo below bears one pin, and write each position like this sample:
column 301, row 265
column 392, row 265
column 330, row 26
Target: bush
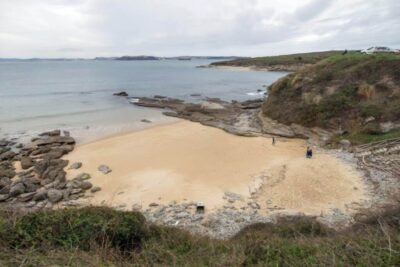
column 70, row 228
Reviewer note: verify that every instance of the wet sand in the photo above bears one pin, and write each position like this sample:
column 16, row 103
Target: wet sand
column 186, row 161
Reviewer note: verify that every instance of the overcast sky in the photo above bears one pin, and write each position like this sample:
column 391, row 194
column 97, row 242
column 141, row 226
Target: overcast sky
column 89, row 28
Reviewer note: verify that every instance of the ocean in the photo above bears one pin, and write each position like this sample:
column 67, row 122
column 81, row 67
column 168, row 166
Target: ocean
column 77, row 95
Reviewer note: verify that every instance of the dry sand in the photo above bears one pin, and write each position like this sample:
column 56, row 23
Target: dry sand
column 188, row 161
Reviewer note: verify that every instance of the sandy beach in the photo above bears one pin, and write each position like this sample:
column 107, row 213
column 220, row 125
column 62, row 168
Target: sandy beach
column 185, row 161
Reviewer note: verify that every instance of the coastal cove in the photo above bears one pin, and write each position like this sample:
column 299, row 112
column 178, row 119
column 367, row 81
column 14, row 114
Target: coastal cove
column 36, row 96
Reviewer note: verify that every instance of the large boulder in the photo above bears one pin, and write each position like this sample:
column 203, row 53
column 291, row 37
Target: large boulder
column 7, row 170
column 17, row 189
column 4, row 197
column 9, row 155
column 4, row 181
column 26, row 162
column 54, row 195
column 40, row 195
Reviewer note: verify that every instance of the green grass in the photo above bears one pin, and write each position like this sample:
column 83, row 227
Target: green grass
column 301, row 58
column 105, row 237
column 340, row 92
column 363, row 138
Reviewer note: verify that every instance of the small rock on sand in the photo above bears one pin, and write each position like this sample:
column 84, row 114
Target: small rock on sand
column 104, row 169
column 95, row 189
column 75, row 165
column 146, row 121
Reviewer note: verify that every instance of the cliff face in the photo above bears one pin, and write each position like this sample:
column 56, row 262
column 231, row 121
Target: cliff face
column 352, row 93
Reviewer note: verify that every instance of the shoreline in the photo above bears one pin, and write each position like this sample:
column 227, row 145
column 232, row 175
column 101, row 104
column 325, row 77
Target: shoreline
column 165, row 170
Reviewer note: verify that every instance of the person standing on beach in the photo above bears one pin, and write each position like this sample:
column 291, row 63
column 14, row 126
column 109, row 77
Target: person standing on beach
column 273, row 140
column 309, row 153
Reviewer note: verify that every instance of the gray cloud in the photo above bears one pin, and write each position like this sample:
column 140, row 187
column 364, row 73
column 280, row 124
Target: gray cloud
column 88, row 28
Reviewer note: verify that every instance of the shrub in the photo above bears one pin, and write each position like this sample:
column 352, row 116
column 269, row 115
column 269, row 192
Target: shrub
column 71, row 228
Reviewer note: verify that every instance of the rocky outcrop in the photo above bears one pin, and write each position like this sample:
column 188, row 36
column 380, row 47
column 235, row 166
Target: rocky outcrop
column 240, row 118
column 42, row 181
column 122, row 93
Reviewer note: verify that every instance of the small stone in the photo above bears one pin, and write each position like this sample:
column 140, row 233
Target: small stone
column 136, row 207
column 153, row 204
column 72, row 203
column 4, row 197
column 30, row 204
column 40, row 195
column 4, row 181
column 146, row 121
column 26, row 163
column 26, row 196
column 17, row 189
column 345, row 143
column 82, row 176
column 95, row 189
column 104, row 169
column 75, row 165
column 54, row 195
column 86, row 185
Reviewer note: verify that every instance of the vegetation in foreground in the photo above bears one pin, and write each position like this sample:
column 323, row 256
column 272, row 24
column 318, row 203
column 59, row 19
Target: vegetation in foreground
column 354, row 93
column 98, row 236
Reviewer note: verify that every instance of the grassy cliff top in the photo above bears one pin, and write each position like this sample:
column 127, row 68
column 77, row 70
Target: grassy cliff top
column 96, row 236
column 283, row 60
column 356, row 93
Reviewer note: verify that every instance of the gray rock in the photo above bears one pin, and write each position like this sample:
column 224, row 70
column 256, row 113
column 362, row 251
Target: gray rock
column 369, row 119
column 146, row 121
column 82, row 177
column 30, row 204
column 7, row 170
column 66, row 133
column 233, row 196
column 136, row 207
column 75, row 165
column 17, row 189
column 54, row 195
column 51, row 133
column 5, row 189
column 4, row 197
column 4, row 181
column 40, row 195
column 345, row 143
column 86, row 185
column 95, row 189
column 122, row 93
column 72, row 203
column 26, row 196
column 9, row 155
column 104, row 169
column 26, row 162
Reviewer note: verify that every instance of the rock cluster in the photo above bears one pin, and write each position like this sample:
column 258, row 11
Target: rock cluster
column 239, row 118
column 42, row 180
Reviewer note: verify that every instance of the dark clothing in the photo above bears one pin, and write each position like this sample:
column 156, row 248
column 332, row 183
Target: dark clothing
column 309, row 153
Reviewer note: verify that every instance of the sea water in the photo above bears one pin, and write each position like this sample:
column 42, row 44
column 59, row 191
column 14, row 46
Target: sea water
column 77, row 95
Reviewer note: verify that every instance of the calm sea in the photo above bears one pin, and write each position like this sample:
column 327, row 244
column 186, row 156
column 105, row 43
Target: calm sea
column 77, row 95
